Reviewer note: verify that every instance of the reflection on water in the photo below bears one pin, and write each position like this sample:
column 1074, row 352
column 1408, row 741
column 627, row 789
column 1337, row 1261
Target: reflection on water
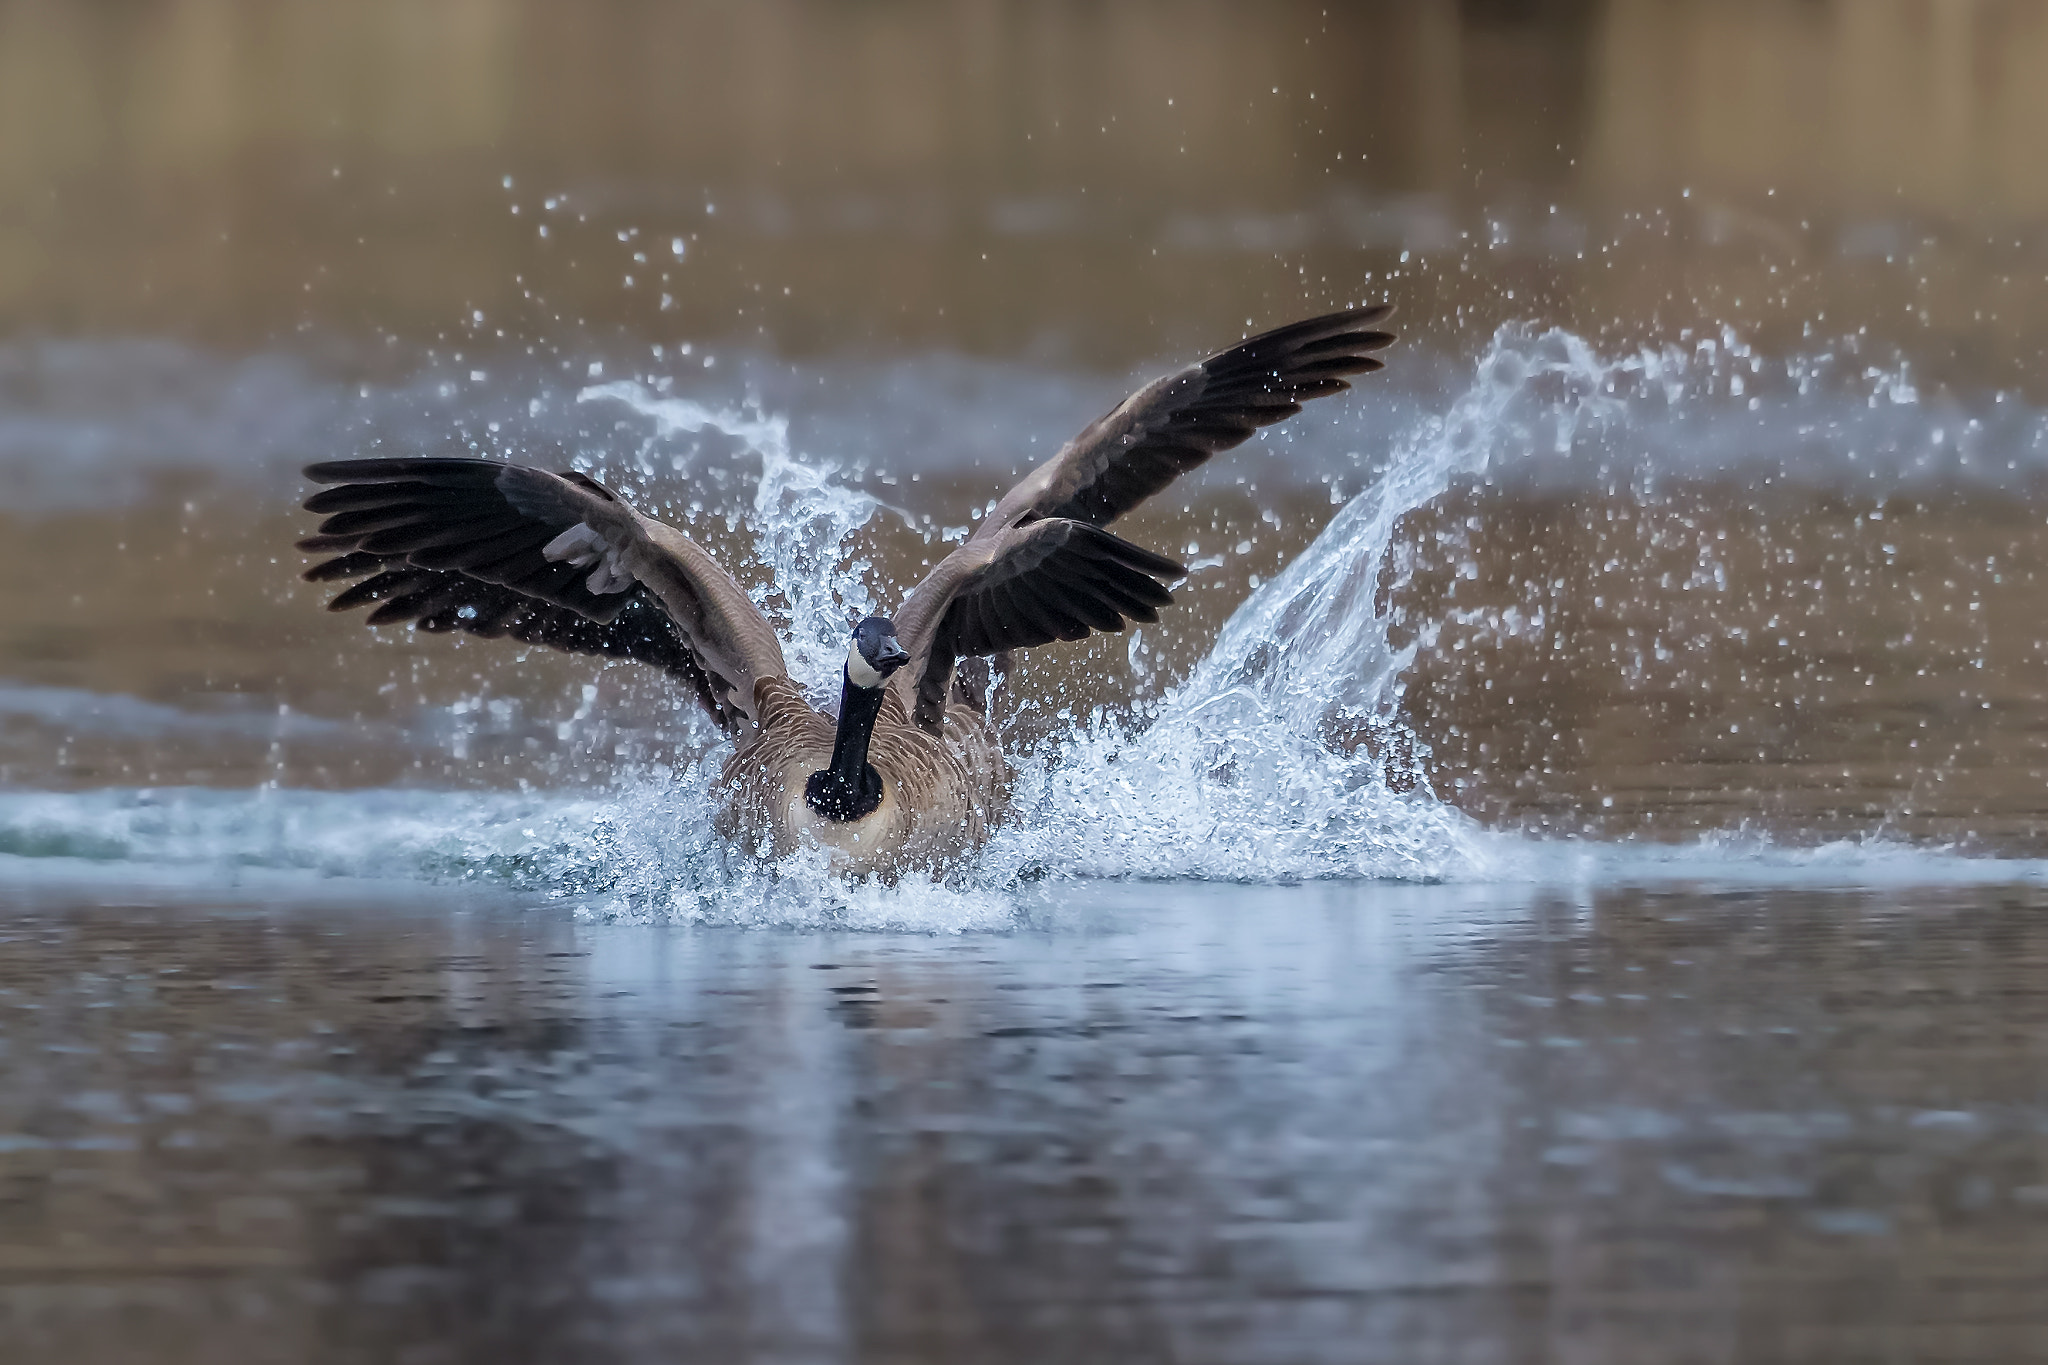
column 1662, row 629
column 1421, row 1123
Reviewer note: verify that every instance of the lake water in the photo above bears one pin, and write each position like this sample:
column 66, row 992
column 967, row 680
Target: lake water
column 1563, row 882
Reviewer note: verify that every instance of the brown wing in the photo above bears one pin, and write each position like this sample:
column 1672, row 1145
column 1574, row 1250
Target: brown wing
column 496, row 549
column 1050, row 580
column 1010, row 567
column 439, row 601
column 1176, row 423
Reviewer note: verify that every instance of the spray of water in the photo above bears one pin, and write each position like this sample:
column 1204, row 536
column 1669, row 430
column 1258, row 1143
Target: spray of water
column 1270, row 761
column 803, row 522
column 1279, row 758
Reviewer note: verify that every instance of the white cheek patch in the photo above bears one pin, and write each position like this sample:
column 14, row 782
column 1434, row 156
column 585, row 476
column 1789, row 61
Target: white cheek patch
column 858, row 670
column 583, row 547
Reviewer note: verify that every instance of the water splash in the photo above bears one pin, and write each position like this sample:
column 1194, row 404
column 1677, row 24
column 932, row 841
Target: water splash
column 1269, row 762
column 803, row 520
column 1280, row 757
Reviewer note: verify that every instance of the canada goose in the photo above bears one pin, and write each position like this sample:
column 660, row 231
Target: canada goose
column 908, row 774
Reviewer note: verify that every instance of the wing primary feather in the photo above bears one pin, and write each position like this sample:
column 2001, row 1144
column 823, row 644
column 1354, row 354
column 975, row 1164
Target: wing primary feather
column 423, row 602
column 352, row 565
column 1104, row 545
column 1346, row 343
column 1319, row 388
column 358, row 497
column 525, row 570
column 1082, row 601
column 1211, row 432
column 442, row 470
column 543, row 579
column 375, row 589
column 1338, row 366
column 1141, row 586
column 1116, row 592
column 522, row 539
column 1046, row 603
column 320, row 545
column 369, row 521
column 434, row 535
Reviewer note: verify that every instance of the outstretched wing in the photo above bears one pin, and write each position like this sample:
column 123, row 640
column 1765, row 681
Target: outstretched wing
column 1176, row 423
column 1057, row 579
column 495, row 549
column 1039, row 563
column 439, row 601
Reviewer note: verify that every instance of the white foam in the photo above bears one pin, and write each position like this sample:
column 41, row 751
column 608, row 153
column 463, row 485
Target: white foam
column 646, row 854
column 804, row 522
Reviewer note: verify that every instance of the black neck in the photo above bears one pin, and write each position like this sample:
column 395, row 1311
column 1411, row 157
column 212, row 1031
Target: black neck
column 849, row 788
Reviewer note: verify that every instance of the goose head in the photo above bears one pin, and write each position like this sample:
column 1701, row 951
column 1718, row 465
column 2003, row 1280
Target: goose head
column 873, row 653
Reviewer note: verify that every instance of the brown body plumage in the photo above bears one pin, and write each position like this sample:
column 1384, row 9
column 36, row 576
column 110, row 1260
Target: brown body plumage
column 942, row 793
column 908, row 774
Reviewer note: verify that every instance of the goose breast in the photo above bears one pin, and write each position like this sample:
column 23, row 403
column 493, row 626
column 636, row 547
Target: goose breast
column 941, row 794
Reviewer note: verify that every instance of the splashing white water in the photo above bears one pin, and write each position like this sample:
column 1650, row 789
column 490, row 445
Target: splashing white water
column 803, row 520
column 1271, row 762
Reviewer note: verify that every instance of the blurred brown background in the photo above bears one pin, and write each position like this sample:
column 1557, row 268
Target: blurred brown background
column 1090, row 178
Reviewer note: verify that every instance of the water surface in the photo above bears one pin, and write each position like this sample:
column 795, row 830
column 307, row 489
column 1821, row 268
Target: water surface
column 1157, row 1123
column 1562, row 882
